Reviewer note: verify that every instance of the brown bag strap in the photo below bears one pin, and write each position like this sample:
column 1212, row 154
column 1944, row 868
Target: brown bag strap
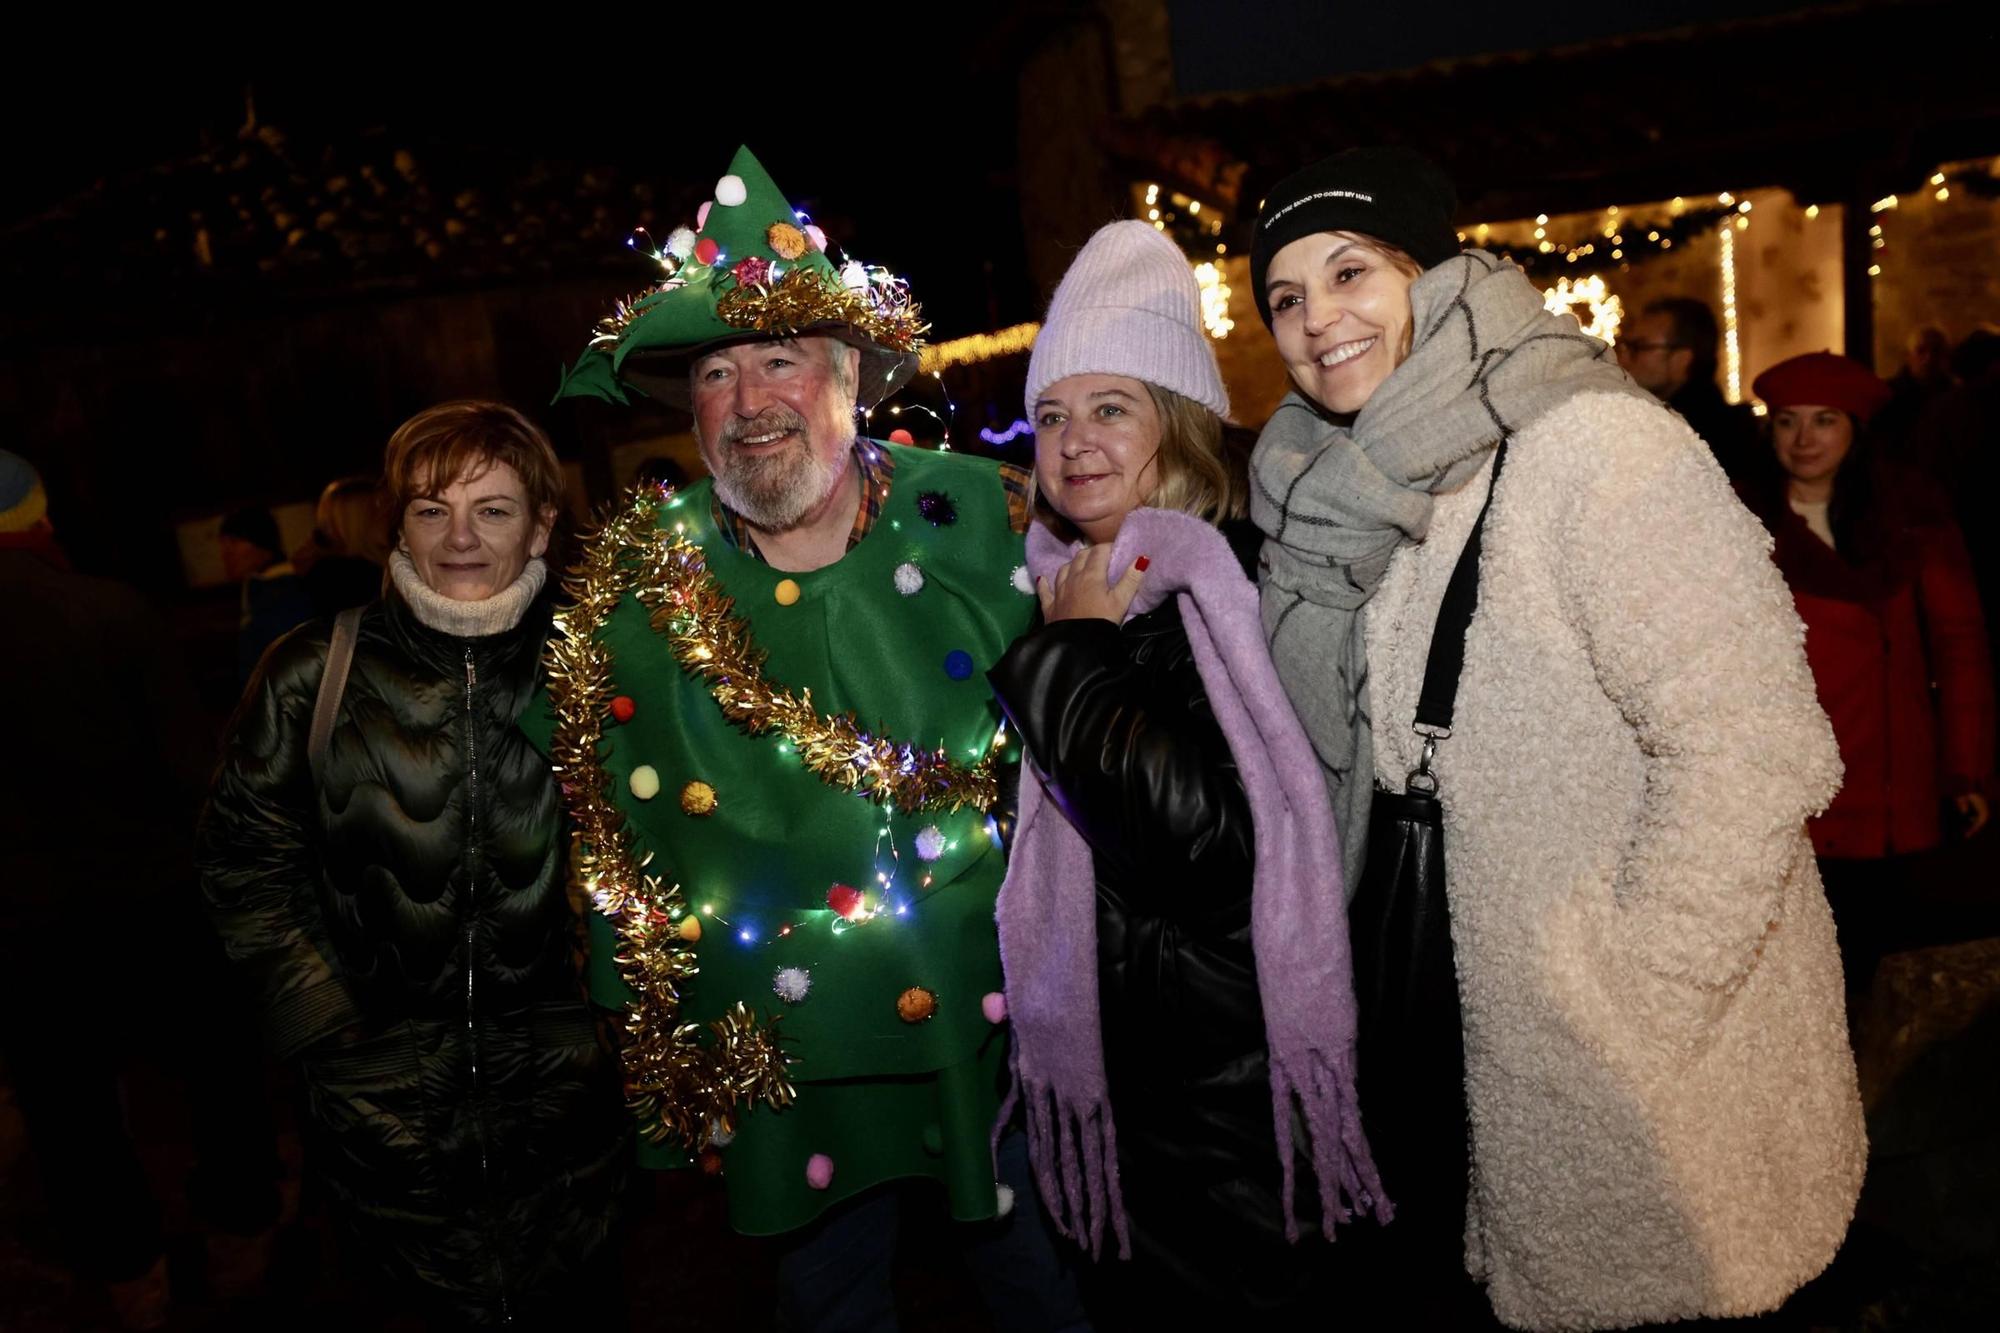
column 332, row 685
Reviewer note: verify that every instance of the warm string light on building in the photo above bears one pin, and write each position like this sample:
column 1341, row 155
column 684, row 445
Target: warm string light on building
column 1195, row 226
column 1732, row 346
column 1616, row 237
column 1214, row 300
column 1606, row 311
column 978, row 347
column 1613, row 238
column 1978, row 178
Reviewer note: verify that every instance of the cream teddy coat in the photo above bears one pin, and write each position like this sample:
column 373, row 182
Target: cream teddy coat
column 1663, row 1104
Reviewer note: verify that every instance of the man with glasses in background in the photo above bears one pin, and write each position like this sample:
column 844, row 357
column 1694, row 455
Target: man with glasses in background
column 1670, row 349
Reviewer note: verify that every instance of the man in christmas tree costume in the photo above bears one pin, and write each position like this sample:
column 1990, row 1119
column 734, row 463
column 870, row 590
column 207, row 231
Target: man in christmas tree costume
column 772, row 725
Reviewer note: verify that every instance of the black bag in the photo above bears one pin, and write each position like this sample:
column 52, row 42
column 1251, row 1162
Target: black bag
column 1411, row 1057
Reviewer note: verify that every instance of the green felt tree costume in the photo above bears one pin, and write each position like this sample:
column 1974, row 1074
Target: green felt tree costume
column 805, row 895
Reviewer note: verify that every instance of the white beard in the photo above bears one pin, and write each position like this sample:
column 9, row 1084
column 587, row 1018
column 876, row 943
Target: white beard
column 777, row 492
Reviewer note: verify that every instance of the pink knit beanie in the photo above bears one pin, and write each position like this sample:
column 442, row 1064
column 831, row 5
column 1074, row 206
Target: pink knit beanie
column 1129, row 306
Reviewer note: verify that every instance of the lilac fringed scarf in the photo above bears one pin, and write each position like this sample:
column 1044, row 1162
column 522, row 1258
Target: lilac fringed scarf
column 1298, row 920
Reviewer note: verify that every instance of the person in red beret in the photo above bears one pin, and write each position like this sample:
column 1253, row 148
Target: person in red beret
column 1880, row 575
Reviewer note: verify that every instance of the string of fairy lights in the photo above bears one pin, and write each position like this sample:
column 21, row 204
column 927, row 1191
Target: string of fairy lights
column 889, row 899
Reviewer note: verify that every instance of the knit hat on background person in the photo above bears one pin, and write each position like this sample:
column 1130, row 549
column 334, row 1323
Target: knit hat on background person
column 1393, row 194
column 22, row 500
column 1823, row 379
column 1130, row 306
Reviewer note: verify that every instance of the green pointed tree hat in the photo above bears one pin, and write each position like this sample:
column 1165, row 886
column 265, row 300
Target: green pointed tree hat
column 752, row 269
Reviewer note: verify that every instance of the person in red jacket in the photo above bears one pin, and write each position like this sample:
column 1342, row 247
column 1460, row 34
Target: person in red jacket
column 1896, row 640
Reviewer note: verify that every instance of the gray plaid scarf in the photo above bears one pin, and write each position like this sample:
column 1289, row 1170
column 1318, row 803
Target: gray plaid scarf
column 1486, row 360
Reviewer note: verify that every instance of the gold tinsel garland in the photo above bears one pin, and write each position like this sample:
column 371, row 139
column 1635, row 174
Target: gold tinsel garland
column 714, row 645
column 679, row 1086
column 804, row 298
column 882, row 311
column 610, row 330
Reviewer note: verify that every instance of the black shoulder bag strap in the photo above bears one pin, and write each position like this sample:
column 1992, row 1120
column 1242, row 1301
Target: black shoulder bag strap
column 332, row 685
column 1410, row 1038
column 1446, row 663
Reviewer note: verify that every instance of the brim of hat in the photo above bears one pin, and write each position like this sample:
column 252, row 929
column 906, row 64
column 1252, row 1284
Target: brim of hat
column 662, row 373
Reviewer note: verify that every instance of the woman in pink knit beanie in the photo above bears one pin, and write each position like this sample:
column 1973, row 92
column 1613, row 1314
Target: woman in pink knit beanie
column 1172, row 922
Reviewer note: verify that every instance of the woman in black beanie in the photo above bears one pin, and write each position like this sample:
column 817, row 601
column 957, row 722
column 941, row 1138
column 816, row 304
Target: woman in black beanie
column 1653, row 1113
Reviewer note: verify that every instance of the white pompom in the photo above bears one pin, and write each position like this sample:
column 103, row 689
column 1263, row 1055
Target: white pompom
column 720, row 1135
column 909, row 579
column 644, row 782
column 730, row 191
column 680, row 243
column 930, row 842
column 1022, row 583
column 792, row 983
column 1006, row 1196
column 854, row 277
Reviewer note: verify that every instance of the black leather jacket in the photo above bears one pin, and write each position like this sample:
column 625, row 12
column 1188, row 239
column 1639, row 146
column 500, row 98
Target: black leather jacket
column 408, row 926
column 1118, row 720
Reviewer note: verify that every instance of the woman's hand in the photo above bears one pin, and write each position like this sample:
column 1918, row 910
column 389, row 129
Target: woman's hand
column 1971, row 805
column 1079, row 590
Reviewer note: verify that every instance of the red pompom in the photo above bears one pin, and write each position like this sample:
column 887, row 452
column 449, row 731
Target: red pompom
column 706, row 250
column 623, row 708
column 901, row 436
column 845, row 900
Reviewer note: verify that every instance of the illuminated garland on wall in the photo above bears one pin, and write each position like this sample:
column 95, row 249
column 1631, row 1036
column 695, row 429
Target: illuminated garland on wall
column 978, row 347
column 1621, row 242
column 1606, row 312
column 1732, row 345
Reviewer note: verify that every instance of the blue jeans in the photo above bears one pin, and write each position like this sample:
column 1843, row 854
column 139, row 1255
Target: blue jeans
column 834, row 1276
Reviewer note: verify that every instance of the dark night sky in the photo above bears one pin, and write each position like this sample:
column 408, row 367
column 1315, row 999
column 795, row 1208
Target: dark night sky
column 907, row 132
column 1235, row 47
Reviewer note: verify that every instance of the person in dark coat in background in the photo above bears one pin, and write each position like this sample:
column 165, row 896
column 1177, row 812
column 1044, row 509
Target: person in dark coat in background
column 104, row 952
column 404, row 912
column 1670, row 349
column 1925, row 378
column 1957, row 444
column 342, row 563
column 1124, row 720
column 1881, row 578
column 274, row 598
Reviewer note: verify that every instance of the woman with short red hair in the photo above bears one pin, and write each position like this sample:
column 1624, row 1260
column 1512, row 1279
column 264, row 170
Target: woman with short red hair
column 384, row 850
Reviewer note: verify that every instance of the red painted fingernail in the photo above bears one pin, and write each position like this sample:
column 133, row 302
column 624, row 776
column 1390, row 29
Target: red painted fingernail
column 1141, row 563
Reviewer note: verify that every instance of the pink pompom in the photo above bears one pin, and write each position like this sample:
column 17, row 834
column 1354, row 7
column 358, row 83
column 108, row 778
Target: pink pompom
column 817, row 237
column 701, row 217
column 994, row 1006
column 819, row 1171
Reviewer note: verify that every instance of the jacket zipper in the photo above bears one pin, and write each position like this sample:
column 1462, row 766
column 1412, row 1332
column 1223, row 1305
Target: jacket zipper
column 471, row 1029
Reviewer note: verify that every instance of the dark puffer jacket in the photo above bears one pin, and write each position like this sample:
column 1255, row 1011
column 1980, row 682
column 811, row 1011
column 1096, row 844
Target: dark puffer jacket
column 408, row 926
column 1120, row 721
